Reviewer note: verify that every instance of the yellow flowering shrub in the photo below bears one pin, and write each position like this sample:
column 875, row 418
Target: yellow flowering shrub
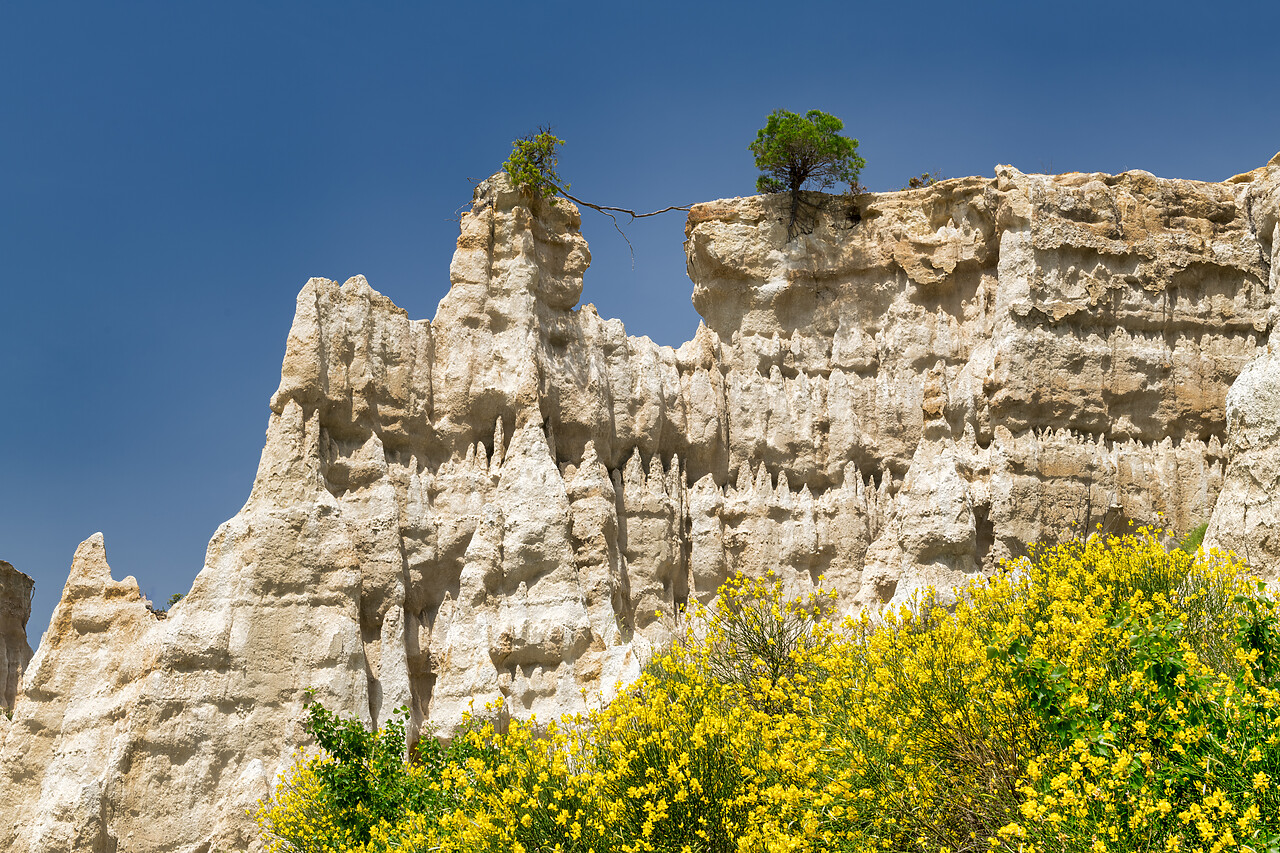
column 1099, row 695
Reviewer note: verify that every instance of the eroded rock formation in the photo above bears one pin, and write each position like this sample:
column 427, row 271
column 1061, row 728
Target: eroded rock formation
column 514, row 503
column 15, row 610
column 1246, row 516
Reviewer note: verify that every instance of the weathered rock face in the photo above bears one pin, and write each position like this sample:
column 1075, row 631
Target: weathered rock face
column 515, row 502
column 1246, row 517
column 15, row 610
column 1011, row 357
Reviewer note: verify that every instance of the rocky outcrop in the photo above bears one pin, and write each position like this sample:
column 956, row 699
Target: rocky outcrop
column 15, row 610
column 512, row 504
column 1246, row 517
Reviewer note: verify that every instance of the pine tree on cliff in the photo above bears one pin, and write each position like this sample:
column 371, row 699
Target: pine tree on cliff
column 794, row 151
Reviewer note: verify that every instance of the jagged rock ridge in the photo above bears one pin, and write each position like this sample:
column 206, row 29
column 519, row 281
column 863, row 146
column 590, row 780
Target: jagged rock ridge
column 515, row 501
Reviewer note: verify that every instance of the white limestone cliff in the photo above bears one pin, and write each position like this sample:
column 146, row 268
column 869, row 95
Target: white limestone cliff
column 514, row 502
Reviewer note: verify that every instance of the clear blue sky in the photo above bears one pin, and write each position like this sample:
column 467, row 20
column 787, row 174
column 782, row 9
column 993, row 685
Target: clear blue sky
column 174, row 172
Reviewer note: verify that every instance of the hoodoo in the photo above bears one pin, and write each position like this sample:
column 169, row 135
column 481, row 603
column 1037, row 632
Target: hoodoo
column 513, row 503
column 15, row 610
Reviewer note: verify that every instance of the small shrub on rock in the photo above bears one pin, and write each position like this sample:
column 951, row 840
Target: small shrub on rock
column 534, row 163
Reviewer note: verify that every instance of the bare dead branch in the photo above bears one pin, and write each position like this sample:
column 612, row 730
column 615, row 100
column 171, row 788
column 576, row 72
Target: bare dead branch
column 605, row 208
column 610, row 211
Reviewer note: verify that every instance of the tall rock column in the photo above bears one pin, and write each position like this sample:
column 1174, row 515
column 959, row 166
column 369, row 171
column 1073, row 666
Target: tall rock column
column 15, row 610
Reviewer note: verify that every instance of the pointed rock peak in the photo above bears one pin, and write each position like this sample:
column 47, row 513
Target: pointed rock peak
column 675, row 476
column 529, row 442
column 744, row 479
column 591, row 477
column 499, row 443
column 482, row 562
column 763, row 483
column 706, row 483
column 89, row 565
column 783, row 486
column 708, row 339
column 634, row 474
column 657, row 477
column 90, row 576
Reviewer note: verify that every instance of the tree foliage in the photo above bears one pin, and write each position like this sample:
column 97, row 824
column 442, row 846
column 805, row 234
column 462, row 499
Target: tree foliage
column 793, row 150
column 533, row 167
column 366, row 791
column 534, row 163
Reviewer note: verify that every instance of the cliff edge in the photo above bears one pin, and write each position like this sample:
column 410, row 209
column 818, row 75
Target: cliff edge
column 515, row 502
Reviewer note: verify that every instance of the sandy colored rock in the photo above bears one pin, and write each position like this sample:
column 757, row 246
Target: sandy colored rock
column 516, row 502
column 1246, row 517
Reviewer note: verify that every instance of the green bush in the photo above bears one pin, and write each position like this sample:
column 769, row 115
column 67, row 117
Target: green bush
column 359, row 793
column 533, row 164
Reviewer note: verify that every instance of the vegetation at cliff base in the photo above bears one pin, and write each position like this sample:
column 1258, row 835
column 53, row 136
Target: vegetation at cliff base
column 1105, row 695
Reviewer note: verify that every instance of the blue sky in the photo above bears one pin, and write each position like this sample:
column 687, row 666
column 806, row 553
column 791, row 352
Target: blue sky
column 174, row 172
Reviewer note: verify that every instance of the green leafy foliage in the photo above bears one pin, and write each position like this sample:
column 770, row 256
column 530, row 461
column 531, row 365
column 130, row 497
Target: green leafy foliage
column 1195, row 536
column 364, row 777
column 793, row 151
column 533, row 164
column 359, row 793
